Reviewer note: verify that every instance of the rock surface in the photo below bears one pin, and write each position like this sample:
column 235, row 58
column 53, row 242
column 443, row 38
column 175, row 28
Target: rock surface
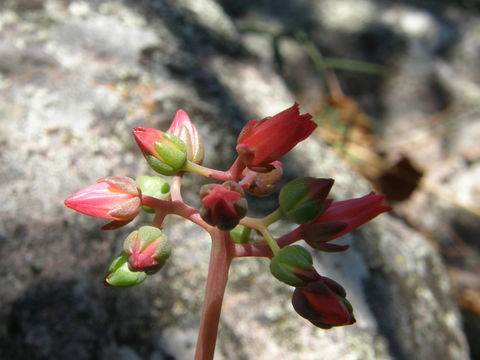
column 76, row 76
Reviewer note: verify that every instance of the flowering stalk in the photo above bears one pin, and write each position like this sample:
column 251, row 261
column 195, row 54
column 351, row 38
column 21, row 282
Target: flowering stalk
column 221, row 255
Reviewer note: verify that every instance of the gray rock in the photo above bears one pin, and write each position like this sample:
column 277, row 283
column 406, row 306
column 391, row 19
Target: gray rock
column 84, row 76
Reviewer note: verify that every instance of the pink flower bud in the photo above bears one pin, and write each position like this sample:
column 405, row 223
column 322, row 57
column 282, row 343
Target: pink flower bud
column 340, row 218
column 147, row 249
column 113, row 198
column 262, row 142
column 183, row 128
column 323, row 303
column 223, row 205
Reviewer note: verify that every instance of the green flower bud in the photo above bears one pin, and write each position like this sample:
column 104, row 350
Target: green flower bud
column 302, row 200
column 153, row 186
column 119, row 274
column 293, row 265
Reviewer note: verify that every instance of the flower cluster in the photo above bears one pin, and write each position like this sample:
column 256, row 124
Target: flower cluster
column 223, row 214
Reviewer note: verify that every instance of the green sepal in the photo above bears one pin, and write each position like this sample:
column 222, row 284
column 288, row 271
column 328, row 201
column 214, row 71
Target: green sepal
column 297, row 203
column 173, row 151
column 149, row 234
column 304, row 213
column 346, row 303
column 283, row 273
column 180, row 144
column 118, row 273
column 293, row 192
column 159, row 166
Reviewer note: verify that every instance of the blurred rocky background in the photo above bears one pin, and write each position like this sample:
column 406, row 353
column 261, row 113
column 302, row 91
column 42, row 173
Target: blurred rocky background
column 395, row 88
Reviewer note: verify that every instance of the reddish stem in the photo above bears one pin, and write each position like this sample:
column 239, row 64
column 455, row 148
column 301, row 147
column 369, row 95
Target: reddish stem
column 236, row 169
column 263, row 250
column 220, row 258
column 175, row 187
column 175, row 207
column 233, row 173
column 219, row 175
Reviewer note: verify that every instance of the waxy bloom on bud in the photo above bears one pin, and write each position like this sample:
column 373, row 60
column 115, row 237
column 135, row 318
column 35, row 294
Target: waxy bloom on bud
column 113, row 198
column 262, row 142
column 262, row 183
column 164, row 152
column 293, row 265
column 223, row 205
column 340, row 218
column 183, row 128
column 119, row 274
column 302, row 200
column 323, row 303
column 147, row 249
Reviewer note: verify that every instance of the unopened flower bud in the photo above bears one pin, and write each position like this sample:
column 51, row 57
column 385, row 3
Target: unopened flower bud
column 353, row 213
column 262, row 183
column 147, row 249
column 183, row 128
column 112, row 198
column 153, row 186
column 293, row 265
column 302, row 200
column 323, row 303
column 164, row 152
column 223, row 205
column 119, row 274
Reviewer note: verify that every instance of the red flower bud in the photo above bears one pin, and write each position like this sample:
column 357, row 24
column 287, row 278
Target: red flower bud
column 183, row 128
column 262, row 142
column 340, row 218
column 113, row 198
column 323, row 303
column 223, row 205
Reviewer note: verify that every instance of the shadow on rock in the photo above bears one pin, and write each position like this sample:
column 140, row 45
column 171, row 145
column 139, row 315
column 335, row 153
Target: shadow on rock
column 73, row 319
